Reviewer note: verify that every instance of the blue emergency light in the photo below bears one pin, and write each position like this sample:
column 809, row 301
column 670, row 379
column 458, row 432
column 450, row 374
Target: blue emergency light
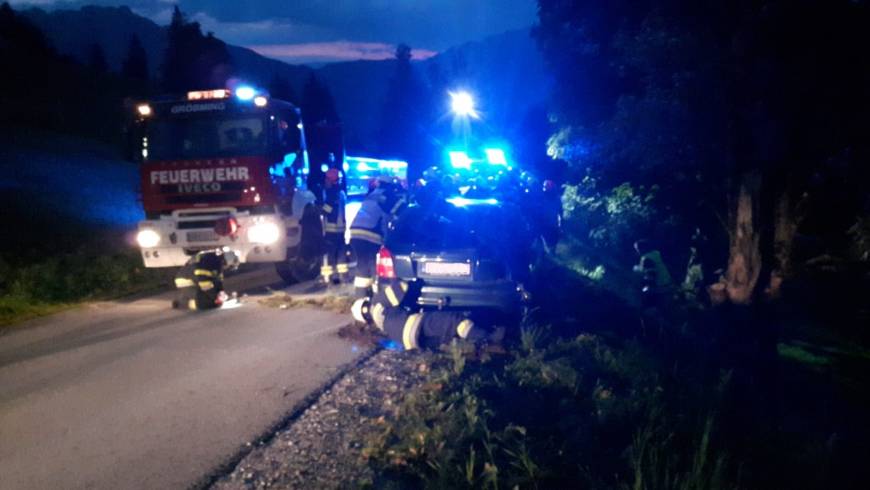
column 245, row 93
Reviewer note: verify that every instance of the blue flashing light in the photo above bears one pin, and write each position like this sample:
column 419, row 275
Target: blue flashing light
column 245, row 93
column 462, row 202
column 393, row 164
column 345, row 166
column 324, row 168
column 364, row 167
column 495, row 156
column 459, row 159
column 375, row 163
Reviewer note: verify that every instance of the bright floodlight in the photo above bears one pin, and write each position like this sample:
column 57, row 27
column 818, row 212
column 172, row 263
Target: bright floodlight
column 462, row 104
column 459, row 159
column 245, row 93
column 260, row 101
column 495, row 156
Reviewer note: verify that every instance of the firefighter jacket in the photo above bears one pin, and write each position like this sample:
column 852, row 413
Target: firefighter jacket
column 200, row 282
column 370, row 222
column 333, row 210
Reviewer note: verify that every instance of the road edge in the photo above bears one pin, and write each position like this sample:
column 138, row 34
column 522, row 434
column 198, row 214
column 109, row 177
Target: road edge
column 229, row 464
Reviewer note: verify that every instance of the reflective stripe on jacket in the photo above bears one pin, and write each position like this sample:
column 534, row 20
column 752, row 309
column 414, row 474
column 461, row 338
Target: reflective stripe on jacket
column 370, row 222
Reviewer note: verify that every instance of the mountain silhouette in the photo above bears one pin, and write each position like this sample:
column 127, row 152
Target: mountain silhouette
column 505, row 72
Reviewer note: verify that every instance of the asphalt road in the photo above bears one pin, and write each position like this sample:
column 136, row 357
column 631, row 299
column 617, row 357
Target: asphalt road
column 133, row 394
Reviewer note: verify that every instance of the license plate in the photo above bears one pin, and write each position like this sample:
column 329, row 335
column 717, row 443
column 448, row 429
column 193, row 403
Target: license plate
column 202, row 236
column 455, row 269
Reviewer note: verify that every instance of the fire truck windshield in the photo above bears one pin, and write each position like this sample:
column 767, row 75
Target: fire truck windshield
column 201, row 137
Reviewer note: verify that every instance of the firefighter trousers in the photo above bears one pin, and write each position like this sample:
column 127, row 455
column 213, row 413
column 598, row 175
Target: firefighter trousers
column 366, row 257
column 335, row 259
column 428, row 328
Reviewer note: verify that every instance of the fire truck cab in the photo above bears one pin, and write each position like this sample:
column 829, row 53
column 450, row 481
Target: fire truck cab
column 226, row 168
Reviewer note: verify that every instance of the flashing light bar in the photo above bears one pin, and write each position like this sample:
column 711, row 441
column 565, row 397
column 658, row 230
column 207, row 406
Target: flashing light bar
column 364, row 164
column 208, row 94
column 461, row 202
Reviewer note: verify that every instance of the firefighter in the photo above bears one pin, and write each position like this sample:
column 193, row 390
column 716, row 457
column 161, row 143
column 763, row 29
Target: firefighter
column 366, row 237
column 546, row 213
column 392, row 310
column 200, row 281
column 335, row 267
column 657, row 284
column 429, row 329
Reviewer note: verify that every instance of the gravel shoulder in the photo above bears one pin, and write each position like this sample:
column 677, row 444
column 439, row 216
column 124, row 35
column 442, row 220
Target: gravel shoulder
column 322, row 445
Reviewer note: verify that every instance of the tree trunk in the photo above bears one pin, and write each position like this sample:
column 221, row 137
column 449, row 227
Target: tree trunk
column 788, row 217
column 744, row 261
column 785, row 228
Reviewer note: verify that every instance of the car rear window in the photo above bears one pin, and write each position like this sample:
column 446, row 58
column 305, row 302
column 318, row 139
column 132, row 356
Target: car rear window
column 448, row 227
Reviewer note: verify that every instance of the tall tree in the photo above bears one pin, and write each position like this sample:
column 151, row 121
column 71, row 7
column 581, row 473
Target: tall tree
column 405, row 114
column 193, row 61
column 135, row 64
column 317, row 102
column 97, row 59
column 280, row 88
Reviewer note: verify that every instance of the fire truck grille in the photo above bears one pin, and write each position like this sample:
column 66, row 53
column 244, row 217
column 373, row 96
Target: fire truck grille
column 202, row 236
column 192, row 225
column 204, row 198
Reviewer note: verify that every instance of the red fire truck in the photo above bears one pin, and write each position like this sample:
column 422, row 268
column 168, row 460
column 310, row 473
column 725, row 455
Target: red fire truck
column 226, row 168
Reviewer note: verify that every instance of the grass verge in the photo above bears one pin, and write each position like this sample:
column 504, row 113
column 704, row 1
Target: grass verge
column 552, row 413
column 52, row 283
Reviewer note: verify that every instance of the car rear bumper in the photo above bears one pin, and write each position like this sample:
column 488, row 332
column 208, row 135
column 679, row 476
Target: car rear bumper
column 503, row 295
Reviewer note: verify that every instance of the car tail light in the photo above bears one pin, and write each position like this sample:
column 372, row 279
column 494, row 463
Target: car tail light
column 385, row 264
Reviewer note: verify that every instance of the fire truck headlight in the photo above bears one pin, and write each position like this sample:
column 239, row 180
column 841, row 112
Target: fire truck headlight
column 144, row 110
column 260, row 101
column 264, row 233
column 147, row 238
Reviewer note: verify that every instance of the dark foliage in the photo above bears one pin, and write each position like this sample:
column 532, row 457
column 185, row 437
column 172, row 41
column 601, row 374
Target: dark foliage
column 193, row 61
column 280, row 88
column 406, row 115
column 692, row 96
column 51, row 92
column 135, row 64
column 97, row 59
column 317, row 102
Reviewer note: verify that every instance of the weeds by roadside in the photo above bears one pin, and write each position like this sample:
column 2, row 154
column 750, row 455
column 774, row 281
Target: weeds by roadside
column 554, row 413
column 36, row 287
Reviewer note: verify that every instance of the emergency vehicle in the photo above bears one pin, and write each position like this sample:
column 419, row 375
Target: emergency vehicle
column 226, row 168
